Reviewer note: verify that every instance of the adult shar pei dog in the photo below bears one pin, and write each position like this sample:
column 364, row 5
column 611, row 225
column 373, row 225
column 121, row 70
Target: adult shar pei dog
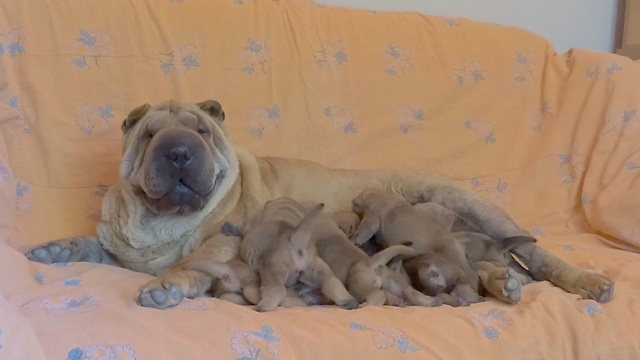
column 181, row 180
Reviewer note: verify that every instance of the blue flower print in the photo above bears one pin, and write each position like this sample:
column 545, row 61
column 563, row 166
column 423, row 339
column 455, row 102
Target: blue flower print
column 469, row 73
column 331, row 56
column 341, row 118
column 591, row 308
column 93, row 202
column 94, row 118
column 524, row 66
column 264, row 118
column 101, row 351
column 483, row 129
column 12, row 42
column 491, row 322
column 62, row 304
column 248, row 345
column 603, row 68
column 385, row 337
column 616, row 119
column 571, row 165
column 20, row 117
column 5, row 174
column 409, row 119
column 397, row 60
column 256, row 55
column 180, row 59
column 23, row 201
column 90, row 45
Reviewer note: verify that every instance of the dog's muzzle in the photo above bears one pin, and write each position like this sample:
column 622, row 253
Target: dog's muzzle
column 180, row 173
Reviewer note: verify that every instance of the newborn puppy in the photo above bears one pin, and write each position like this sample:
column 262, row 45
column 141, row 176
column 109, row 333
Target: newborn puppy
column 394, row 221
column 360, row 273
column 234, row 280
column 278, row 243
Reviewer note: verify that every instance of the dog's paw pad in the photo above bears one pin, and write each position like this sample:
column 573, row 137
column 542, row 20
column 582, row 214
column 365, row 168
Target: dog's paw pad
column 596, row 287
column 161, row 298
column 50, row 253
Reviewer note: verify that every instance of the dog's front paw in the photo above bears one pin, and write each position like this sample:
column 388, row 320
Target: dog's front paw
column 52, row 252
column 160, row 296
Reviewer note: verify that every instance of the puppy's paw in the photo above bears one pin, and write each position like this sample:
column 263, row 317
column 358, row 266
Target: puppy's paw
column 349, row 304
column 504, row 285
column 160, row 296
column 50, row 253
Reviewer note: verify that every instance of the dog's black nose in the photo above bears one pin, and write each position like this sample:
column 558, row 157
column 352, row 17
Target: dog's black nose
column 180, row 156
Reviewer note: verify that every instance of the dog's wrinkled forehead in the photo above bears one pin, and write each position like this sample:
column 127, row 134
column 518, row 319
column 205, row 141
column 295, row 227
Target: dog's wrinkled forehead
column 173, row 113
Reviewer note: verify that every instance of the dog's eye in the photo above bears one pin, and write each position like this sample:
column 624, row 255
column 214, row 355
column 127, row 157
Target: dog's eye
column 203, row 131
column 300, row 252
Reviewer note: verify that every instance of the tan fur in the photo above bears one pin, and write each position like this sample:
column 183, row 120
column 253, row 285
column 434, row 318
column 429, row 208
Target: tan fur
column 279, row 242
column 144, row 241
column 394, row 221
column 359, row 272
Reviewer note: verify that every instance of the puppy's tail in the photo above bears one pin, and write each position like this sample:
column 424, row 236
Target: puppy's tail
column 384, row 256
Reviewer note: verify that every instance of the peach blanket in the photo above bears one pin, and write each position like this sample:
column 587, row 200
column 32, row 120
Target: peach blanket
column 553, row 138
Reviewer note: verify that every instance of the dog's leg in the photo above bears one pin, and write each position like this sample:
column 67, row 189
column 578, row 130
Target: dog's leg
column 251, row 292
column 495, row 223
column 416, row 298
column 177, row 283
column 368, row 227
column 234, row 298
column 320, row 275
column 467, row 293
column 501, row 282
column 273, row 291
column 452, row 300
column 75, row 249
column 543, row 265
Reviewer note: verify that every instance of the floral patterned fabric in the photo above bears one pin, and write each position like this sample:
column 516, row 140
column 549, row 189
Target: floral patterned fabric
column 552, row 138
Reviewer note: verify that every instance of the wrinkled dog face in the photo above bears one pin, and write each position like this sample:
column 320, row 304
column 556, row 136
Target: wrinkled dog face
column 174, row 155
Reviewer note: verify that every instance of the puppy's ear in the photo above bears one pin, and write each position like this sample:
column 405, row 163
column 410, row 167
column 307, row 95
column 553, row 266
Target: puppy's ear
column 212, row 108
column 135, row 115
column 509, row 243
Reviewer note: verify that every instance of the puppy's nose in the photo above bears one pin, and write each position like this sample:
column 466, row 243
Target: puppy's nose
column 180, row 156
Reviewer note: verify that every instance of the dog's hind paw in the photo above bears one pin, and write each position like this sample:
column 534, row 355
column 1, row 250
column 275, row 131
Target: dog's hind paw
column 504, row 285
column 160, row 297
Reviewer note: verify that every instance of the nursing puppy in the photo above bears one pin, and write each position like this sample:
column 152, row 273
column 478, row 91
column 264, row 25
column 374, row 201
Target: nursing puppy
column 393, row 221
column 499, row 274
column 360, row 273
column 181, row 180
column 234, row 280
column 279, row 242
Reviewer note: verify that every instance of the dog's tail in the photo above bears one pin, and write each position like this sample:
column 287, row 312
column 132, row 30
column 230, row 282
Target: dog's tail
column 384, row 256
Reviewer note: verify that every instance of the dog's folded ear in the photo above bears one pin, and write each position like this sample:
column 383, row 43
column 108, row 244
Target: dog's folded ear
column 135, row 115
column 212, row 108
